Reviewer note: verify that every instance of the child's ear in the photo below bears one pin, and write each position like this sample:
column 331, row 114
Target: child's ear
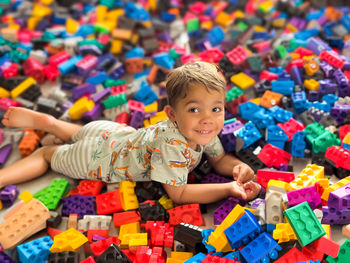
column 170, row 112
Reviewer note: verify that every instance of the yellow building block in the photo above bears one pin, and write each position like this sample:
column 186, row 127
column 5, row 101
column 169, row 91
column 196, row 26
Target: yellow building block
column 23, row 86
column 127, row 194
column 131, row 228
column 308, row 176
column 327, row 228
column 101, row 13
column 114, row 14
column 166, row 202
column 311, row 84
column 80, row 107
column 181, row 255
column 342, row 182
column 279, row 23
column 4, row 93
column 292, row 28
column 223, row 19
column 256, row 101
column 152, row 5
column 284, row 233
column 116, row 46
column 151, row 107
column 0, row 205
column 266, row 5
column 134, row 239
column 238, row 14
column 41, row 10
column 242, row 80
column 134, row 38
column 160, row 116
column 286, row 186
column 26, row 196
column 218, row 238
column 208, row 25
column 347, row 138
column 72, row 26
column 295, row 55
column 46, row 2
column 259, row 28
column 33, row 22
column 69, row 240
column 315, row 170
column 174, row 260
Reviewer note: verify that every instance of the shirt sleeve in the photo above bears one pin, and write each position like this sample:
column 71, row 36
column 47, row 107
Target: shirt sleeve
column 169, row 164
column 214, row 148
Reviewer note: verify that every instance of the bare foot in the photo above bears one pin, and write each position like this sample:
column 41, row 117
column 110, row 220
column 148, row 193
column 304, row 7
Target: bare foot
column 25, row 118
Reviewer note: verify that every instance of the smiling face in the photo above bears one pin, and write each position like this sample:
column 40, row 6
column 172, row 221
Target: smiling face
column 200, row 115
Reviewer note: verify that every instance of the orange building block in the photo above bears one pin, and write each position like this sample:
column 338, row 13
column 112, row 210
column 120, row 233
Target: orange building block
column 270, row 99
column 29, row 142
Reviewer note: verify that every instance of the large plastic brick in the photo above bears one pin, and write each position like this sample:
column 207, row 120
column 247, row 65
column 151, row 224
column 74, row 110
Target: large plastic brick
column 332, row 58
column 35, row 251
column 308, row 176
column 291, row 127
column 284, row 233
column 153, row 211
column 128, row 197
column 8, row 195
column 51, row 195
column 113, row 254
column 325, row 140
column 94, row 222
column 190, row 214
column 196, row 258
column 292, row 256
column 88, row 187
column 100, row 246
column 262, row 249
column 276, row 136
column 242, row 80
column 64, row 257
column 248, row 109
column 273, row 156
column 298, row 144
column 338, row 156
column 263, row 119
column 344, row 253
column 108, row 203
column 190, row 236
column 217, row 259
column 69, row 240
column 78, row 204
column 23, row 223
column 243, row 230
column 304, row 223
column 4, row 258
column 249, row 134
column 274, row 208
column 125, row 218
column 224, row 209
column 88, row 260
column 340, row 198
column 264, row 176
column 331, row 216
column 160, row 233
column 308, row 194
column 237, row 55
column 327, row 246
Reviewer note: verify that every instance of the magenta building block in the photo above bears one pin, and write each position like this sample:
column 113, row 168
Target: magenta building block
column 212, row 178
column 223, row 210
column 340, row 198
column 308, row 194
column 332, row 216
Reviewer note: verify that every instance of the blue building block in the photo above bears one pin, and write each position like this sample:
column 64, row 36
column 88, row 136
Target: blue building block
column 35, row 251
column 249, row 134
column 145, row 94
column 135, row 12
column 69, row 65
column 284, row 87
column 215, row 36
column 262, row 119
column 299, row 101
column 205, row 234
column 270, row 228
column 243, row 230
column 315, row 15
column 277, row 70
column 276, row 136
column 164, row 60
column 85, row 30
column 330, row 99
column 319, row 105
column 196, row 258
column 167, row 17
column 99, row 78
column 136, row 52
column 262, row 249
column 299, row 144
column 233, row 255
column 280, row 114
column 345, row 20
column 248, row 109
column 305, row 34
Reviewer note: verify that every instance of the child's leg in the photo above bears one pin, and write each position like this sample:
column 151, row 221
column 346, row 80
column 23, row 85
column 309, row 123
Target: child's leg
column 27, row 168
column 25, row 118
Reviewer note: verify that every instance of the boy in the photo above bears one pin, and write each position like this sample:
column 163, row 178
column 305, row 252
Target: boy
column 165, row 152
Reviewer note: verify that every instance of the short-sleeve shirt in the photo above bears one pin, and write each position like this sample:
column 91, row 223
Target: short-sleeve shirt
column 158, row 153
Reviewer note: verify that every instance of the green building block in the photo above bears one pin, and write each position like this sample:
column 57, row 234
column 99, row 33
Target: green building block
column 343, row 255
column 101, row 29
column 108, row 3
column 114, row 101
column 294, row 44
column 113, row 82
column 192, row 25
column 281, row 50
column 304, row 223
column 233, row 93
column 173, row 54
column 93, row 42
column 51, row 195
column 313, row 130
column 325, row 140
column 241, row 25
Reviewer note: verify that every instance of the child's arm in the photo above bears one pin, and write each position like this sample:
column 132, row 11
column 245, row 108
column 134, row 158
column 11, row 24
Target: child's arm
column 227, row 164
column 209, row 193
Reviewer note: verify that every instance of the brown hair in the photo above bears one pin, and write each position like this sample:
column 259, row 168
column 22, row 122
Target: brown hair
column 180, row 79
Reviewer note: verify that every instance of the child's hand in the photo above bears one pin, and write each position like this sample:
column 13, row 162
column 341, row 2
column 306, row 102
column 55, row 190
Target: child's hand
column 246, row 192
column 242, row 173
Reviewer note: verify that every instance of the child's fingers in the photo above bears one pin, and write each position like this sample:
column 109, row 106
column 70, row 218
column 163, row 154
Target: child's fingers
column 236, row 171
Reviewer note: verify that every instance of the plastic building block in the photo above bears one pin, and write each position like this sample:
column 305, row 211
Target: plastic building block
column 108, row 203
column 293, row 255
column 29, row 142
column 94, row 222
column 64, row 257
column 127, row 195
column 217, row 259
column 304, row 223
column 261, row 249
column 274, row 208
column 284, row 87
column 113, row 254
column 23, row 223
column 125, row 218
column 8, row 195
column 190, row 214
column 26, row 84
column 100, row 246
column 26, row 196
column 36, row 250
column 325, row 140
column 308, row 176
column 327, row 246
column 264, row 176
column 280, row 114
column 332, row 58
column 339, row 198
column 190, row 236
column 72, row 221
column 160, row 233
column 5, row 258
column 88, row 187
column 284, row 233
column 242, row 80
column 273, row 156
column 344, row 253
column 78, row 204
column 270, row 99
column 237, row 55
column 243, row 230
column 308, row 194
column 83, row 89
column 249, row 134
column 80, row 107
column 69, row 240
column 223, row 210
column 54, row 220
column 196, row 258
column 145, row 94
column 88, row 260
column 51, row 195
column 276, row 136
column 5, row 151
column 166, row 202
column 298, row 144
column 262, row 119
column 291, row 127
column 338, row 156
column 153, row 211
column 248, row 109
column 100, row 233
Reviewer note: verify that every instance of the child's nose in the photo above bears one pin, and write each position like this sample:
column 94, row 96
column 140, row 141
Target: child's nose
column 207, row 118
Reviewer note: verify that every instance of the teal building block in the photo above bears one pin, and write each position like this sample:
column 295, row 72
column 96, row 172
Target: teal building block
column 304, row 223
column 114, row 101
column 51, row 195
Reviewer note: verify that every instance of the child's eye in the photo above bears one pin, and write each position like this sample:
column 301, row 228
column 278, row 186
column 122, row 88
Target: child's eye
column 216, row 109
column 193, row 110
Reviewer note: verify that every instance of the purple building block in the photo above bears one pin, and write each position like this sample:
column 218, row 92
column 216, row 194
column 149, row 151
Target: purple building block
column 137, row 118
column 295, row 75
column 228, row 141
column 344, row 91
column 308, row 194
column 78, row 204
column 339, row 112
column 4, row 258
column 232, row 127
column 8, row 195
column 332, row 216
column 212, row 178
column 105, row 61
column 117, row 72
column 101, row 95
column 223, row 210
column 314, row 95
column 4, row 153
column 340, row 78
column 327, row 69
column 340, row 198
column 94, row 114
column 83, row 89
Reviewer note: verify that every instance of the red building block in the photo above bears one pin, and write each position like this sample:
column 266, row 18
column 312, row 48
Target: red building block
column 160, row 233
column 126, row 218
column 232, row 106
column 296, row 62
column 10, row 71
column 158, row 255
column 100, row 246
column 88, row 260
column 332, row 59
column 292, row 256
column 58, row 58
column 129, row 253
column 339, row 156
column 211, row 55
column 311, row 253
column 88, row 187
column 99, row 232
column 237, row 55
column 123, row 117
column 268, row 75
column 142, row 254
column 303, row 52
column 52, row 232
column 190, row 214
column 327, row 246
column 51, row 72
column 273, row 156
column 343, row 131
column 217, row 259
column 116, row 90
column 108, row 203
column 264, row 176
column 34, row 68
column 136, row 105
column 6, row 103
column 291, row 127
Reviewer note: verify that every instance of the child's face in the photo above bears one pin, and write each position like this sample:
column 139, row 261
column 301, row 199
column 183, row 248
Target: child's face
column 200, row 115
